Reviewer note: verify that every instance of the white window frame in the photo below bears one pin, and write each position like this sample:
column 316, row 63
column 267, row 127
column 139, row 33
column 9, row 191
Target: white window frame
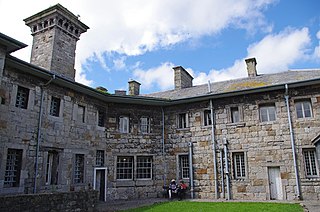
column 144, row 167
column 207, row 118
column 79, row 169
column 310, row 163
column 184, row 166
column 100, row 158
column 268, row 109
column 303, row 104
column 124, row 124
column 145, row 125
column 124, row 168
column 50, row 165
column 239, row 165
column 235, row 114
column 54, row 109
column 183, row 120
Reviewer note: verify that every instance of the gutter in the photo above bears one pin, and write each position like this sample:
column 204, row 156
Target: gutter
column 296, row 171
column 39, row 133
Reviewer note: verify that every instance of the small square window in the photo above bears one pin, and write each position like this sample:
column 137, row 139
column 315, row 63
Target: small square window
column 267, row 113
column 145, row 125
column 55, row 106
column 22, row 97
column 207, row 118
column 124, row 124
column 183, row 121
column 304, row 109
column 101, row 117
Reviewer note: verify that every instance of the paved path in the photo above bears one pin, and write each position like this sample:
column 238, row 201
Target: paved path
column 118, row 205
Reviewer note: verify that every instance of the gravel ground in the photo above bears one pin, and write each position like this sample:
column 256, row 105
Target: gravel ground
column 118, row 205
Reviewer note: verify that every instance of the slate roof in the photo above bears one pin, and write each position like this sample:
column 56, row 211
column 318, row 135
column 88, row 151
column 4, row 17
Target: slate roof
column 260, row 81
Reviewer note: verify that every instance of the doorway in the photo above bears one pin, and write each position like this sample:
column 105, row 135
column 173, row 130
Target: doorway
column 100, row 182
column 275, row 183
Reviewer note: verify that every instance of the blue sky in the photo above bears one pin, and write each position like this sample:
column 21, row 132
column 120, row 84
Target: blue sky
column 143, row 39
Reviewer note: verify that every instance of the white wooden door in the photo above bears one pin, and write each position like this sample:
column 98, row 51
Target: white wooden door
column 275, row 183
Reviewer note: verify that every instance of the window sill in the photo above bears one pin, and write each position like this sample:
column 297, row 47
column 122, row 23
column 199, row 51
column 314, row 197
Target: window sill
column 238, row 124
column 183, row 129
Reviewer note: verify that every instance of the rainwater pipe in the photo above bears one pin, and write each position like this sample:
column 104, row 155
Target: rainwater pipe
column 39, row 133
column 222, row 172
column 191, row 171
column 296, row 171
column 163, row 150
column 213, row 146
column 225, row 143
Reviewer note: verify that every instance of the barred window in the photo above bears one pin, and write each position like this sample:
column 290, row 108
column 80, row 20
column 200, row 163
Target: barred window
column 303, row 109
column 184, row 166
column 239, row 165
column 52, row 168
column 101, row 117
column 144, row 167
column 267, row 113
column 100, row 158
column 79, row 168
column 310, row 162
column 13, row 168
column 145, row 125
column 55, row 106
column 22, row 97
column 124, row 124
column 125, row 168
column 207, row 118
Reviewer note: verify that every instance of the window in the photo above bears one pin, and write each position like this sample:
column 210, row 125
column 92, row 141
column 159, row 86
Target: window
column 79, row 168
column 267, row 113
column 52, row 168
column 183, row 121
column 235, row 115
column 101, row 118
column 144, row 167
column 145, row 125
column 13, row 168
column 207, row 118
column 124, row 124
column 125, row 168
column 81, row 113
column 100, row 158
column 239, row 165
column 22, row 97
column 310, row 162
column 55, row 107
column 184, row 166
column 303, row 109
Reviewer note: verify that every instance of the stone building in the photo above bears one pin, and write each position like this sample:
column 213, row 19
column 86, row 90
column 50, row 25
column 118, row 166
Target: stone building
column 253, row 138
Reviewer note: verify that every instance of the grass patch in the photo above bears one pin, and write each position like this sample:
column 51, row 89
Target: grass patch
column 187, row 206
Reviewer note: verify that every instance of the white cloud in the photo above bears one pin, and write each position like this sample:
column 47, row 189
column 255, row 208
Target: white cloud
column 136, row 26
column 274, row 53
column 316, row 53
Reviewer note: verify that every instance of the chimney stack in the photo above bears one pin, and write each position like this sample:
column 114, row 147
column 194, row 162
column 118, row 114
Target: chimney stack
column 134, row 88
column 182, row 79
column 55, row 34
column 120, row 92
column 251, row 67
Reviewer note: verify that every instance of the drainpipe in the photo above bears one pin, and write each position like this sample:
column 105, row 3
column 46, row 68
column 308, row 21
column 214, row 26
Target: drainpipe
column 225, row 143
column 163, row 150
column 39, row 133
column 222, row 172
column 191, row 170
column 213, row 146
column 296, row 171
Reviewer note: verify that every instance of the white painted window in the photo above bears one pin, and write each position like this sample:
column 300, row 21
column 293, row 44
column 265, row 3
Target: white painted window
column 207, row 118
column 239, row 166
column 145, row 125
column 235, row 114
column 310, row 162
column 144, row 167
column 22, row 97
column 183, row 120
column 184, row 166
column 124, row 124
column 13, row 168
column 125, row 168
column 267, row 113
column 303, row 109
column 79, row 168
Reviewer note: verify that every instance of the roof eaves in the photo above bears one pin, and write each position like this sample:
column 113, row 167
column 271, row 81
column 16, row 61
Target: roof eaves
column 11, row 44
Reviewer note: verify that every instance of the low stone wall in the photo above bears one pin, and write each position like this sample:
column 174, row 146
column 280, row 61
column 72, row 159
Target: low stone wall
column 68, row 201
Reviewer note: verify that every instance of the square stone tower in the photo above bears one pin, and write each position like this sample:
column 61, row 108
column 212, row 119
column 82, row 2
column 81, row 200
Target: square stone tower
column 55, row 34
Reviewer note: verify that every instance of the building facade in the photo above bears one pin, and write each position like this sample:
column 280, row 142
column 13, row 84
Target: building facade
column 255, row 138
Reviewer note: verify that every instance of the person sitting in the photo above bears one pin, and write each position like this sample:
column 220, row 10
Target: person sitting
column 182, row 189
column 173, row 188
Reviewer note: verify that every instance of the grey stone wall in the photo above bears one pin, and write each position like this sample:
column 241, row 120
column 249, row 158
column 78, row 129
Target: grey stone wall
column 70, row 201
